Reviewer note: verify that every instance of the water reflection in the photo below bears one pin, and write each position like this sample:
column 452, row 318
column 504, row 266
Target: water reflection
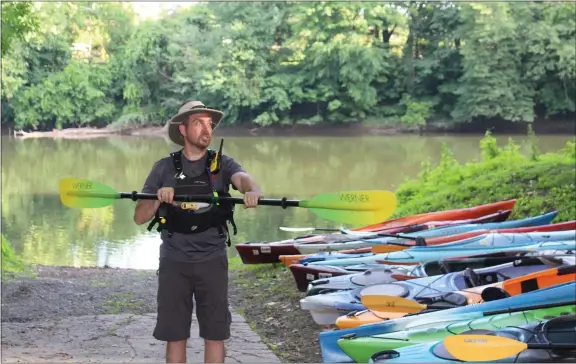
column 43, row 231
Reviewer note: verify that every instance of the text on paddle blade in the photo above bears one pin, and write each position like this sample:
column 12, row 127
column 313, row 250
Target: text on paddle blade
column 82, row 185
column 354, row 197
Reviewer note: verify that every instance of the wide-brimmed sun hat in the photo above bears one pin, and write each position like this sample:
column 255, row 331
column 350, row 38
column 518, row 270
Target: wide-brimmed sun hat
column 189, row 108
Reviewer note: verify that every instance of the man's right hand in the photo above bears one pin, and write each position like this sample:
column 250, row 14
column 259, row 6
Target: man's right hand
column 166, row 194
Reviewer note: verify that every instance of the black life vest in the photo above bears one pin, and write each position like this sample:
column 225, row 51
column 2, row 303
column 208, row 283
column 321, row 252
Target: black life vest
column 196, row 217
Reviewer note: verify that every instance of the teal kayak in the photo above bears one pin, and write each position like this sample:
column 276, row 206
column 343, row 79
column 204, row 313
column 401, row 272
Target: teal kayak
column 557, row 330
column 488, row 243
column 362, row 348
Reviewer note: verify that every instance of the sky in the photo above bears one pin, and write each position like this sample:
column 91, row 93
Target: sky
column 150, row 10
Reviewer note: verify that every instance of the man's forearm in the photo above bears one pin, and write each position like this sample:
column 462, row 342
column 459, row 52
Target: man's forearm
column 248, row 184
column 145, row 210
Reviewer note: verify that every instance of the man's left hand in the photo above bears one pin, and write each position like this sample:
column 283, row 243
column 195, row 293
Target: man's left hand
column 251, row 199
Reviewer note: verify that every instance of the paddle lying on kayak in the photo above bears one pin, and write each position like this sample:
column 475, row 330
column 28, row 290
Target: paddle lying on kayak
column 351, row 207
column 394, row 304
column 489, row 347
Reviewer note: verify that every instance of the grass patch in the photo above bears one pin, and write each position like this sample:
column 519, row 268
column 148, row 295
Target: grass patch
column 12, row 264
column 540, row 182
column 123, row 303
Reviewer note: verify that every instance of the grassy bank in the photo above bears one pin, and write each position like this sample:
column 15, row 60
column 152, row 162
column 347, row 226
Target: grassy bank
column 12, row 264
column 540, row 182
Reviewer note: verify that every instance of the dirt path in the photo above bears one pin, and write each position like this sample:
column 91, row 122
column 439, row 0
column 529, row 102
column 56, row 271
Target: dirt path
column 99, row 315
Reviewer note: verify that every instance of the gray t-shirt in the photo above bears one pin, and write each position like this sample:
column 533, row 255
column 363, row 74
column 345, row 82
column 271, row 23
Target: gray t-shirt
column 198, row 247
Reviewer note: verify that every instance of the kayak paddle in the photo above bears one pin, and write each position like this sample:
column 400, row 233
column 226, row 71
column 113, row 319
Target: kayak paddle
column 490, row 347
column 350, row 207
column 362, row 234
column 307, row 229
column 384, row 303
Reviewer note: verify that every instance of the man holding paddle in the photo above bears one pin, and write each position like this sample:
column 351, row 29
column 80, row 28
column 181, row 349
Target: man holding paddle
column 193, row 257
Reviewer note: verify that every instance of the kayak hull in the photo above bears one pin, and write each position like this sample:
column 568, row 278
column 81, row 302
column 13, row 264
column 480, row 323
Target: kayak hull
column 477, row 245
column 541, row 332
column 266, row 252
column 432, row 230
column 361, row 349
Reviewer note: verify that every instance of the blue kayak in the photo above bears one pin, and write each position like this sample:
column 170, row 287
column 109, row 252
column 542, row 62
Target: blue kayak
column 332, row 353
column 476, row 245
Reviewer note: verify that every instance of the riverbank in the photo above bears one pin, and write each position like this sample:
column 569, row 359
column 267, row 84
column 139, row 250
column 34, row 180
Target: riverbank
column 567, row 126
column 99, row 314
column 224, row 131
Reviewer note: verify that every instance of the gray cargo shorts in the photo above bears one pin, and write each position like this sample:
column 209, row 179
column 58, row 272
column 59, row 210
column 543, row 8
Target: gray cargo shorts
column 207, row 282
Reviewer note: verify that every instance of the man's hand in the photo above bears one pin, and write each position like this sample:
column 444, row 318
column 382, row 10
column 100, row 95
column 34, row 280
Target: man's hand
column 166, row 194
column 251, row 199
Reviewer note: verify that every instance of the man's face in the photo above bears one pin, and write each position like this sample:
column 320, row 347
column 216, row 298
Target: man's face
column 197, row 130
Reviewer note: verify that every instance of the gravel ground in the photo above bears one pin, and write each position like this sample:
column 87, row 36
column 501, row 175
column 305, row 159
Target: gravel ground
column 266, row 297
column 63, row 292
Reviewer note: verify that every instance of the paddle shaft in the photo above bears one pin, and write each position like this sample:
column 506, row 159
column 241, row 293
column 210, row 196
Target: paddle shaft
column 203, row 198
column 563, row 346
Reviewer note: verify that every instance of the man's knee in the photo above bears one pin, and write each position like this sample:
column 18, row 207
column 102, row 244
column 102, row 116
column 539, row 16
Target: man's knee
column 211, row 293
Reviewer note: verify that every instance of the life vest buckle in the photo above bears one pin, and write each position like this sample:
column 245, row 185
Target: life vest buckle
column 190, row 206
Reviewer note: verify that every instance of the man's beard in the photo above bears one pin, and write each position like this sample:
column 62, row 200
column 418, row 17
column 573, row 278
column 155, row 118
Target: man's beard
column 199, row 142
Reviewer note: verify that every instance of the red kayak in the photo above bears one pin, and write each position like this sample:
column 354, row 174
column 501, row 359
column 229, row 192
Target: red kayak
column 303, row 273
column 269, row 252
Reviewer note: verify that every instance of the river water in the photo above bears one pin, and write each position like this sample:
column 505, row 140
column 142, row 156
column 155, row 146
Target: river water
column 43, row 231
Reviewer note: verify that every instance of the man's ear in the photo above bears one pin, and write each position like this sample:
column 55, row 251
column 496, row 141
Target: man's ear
column 182, row 128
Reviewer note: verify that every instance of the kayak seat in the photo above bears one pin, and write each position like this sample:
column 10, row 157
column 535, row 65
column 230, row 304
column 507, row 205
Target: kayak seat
column 559, row 330
column 472, row 279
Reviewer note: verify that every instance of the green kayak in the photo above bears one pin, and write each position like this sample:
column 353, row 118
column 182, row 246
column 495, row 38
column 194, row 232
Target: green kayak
column 360, row 349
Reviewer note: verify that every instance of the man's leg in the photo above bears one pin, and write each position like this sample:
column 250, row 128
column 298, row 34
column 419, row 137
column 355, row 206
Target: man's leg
column 174, row 308
column 212, row 311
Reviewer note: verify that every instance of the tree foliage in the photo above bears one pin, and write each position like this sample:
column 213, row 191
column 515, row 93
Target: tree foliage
column 92, row 63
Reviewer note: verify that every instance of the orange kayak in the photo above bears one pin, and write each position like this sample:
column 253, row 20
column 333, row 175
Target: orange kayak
column 513, row 287
column 457, row 214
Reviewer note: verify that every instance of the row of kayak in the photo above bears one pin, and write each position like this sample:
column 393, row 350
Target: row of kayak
column 449, row 286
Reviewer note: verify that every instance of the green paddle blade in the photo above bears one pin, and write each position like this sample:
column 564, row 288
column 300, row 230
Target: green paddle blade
column 353, row 207
column 82, row 193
